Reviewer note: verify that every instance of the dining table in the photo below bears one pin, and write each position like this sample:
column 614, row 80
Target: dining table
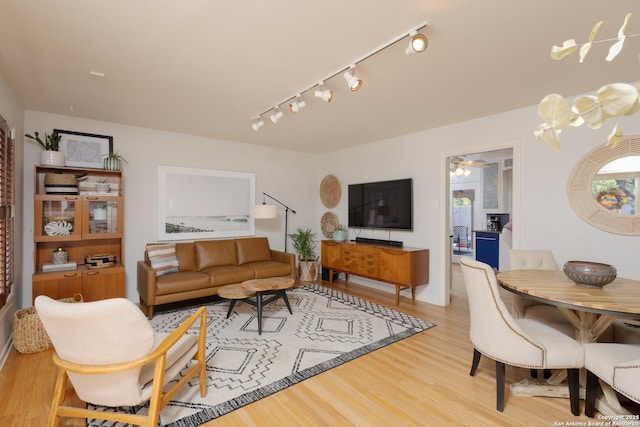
column 591, row 310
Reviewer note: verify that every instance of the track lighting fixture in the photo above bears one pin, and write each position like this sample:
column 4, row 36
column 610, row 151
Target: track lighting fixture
column 417, row 43
column 276, row 115
column 325, row 94
column 353, row 81
column 296, row 105
column 257, row 124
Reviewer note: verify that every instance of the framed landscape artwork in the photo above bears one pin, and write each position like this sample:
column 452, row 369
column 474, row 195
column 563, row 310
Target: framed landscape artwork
column 84, row 150
column 204, row 203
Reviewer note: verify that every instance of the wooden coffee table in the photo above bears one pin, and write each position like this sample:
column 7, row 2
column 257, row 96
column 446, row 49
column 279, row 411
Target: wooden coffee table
column 275, row 287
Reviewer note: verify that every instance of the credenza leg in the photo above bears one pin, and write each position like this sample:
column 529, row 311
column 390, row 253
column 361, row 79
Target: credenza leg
column 397, row 294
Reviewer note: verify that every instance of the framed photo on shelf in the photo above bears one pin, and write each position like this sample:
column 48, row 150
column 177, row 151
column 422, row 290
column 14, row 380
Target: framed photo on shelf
column 84, row 150
column 204, row 203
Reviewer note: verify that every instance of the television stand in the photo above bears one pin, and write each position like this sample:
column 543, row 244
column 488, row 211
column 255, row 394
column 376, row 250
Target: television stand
column 405, row 268
column 379, row 241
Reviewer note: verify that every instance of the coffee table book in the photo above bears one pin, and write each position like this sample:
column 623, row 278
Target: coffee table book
column 49, row 266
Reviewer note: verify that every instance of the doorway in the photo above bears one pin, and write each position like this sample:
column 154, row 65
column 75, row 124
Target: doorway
column 481, row 193
column 463, row 206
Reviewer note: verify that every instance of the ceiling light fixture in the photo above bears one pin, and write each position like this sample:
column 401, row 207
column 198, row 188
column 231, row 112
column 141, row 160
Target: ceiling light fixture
column 353, row 81
column 257, row 124
column 325, row 94
column 296, row 105
column 276, row 115
column 418, row 43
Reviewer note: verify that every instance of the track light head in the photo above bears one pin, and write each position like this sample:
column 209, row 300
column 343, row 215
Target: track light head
column 276, row 115
column 417, row 43
column 296, row 105
column 325, row 94
column 353, row 81
column 257, row 124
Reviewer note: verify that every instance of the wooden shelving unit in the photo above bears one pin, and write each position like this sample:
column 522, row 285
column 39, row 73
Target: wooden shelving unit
column 83, row 224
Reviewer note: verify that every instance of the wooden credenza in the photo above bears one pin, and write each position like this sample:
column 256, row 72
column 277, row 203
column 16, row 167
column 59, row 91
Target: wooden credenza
column 400, row 266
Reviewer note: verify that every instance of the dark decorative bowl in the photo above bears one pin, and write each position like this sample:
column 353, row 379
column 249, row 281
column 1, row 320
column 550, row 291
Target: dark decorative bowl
column 590, row 274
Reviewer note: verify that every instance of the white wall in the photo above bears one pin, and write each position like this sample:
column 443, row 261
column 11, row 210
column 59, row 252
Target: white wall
column 11, row 110
column 543, row 217
column 286, row 175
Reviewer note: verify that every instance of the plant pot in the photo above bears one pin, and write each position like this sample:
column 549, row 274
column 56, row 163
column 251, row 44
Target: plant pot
column 340, row 235
column 307, row 271
column 111, row 164
column 102, row 187
column 52, row 158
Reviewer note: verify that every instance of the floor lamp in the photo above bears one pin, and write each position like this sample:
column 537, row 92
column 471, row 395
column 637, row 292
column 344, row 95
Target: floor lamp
column 265, row 211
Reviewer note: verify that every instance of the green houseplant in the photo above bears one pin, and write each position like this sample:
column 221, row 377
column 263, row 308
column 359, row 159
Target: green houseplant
column 305, row 245
column 51, row 154
column 340, row 233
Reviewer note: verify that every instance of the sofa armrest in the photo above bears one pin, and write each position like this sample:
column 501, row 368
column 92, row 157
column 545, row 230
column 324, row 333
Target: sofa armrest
column 287, row 258
column 146, row 283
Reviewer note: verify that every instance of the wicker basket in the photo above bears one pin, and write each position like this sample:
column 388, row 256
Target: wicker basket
column 60, row 183
column 29, row 335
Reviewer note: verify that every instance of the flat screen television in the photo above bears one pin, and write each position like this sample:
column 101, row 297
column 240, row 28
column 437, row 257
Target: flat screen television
column 384, row 204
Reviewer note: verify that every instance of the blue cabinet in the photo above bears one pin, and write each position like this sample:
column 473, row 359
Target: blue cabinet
column 488, row 248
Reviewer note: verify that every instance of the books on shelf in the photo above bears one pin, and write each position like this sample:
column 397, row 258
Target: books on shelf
column 49, row 266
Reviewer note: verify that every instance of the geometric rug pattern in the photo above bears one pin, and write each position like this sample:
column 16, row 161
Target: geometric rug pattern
column 327, row 329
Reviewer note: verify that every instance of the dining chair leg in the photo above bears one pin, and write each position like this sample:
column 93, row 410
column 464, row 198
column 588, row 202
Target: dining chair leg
column 475, row 362
column 500, row 374
column 592, row 391
column 573, row 378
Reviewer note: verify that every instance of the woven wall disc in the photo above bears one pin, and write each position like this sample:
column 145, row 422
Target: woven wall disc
column 328, row 224
column 330, row 191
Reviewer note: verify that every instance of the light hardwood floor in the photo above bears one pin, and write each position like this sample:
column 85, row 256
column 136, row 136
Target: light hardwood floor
column 420, row 381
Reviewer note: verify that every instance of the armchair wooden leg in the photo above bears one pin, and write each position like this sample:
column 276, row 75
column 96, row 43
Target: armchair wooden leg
column 59, row 391
column 592, row 391
column 500, row 375
column 475, row 362
column 573, row 377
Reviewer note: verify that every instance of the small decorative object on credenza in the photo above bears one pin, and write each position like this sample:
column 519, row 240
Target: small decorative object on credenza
column 100, row 261
column 590, row 274
column 340, row 233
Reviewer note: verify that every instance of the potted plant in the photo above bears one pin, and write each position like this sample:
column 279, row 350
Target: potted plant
column 305, row 245
column 113, row 161
column 51, row 146
column 102, row 185
column 340, row 233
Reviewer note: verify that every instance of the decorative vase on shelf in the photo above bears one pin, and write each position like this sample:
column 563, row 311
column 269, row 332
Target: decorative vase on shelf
column 52, row 158
column 111, row 164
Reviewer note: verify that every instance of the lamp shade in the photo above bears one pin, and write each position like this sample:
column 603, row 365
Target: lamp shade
column 264, row 211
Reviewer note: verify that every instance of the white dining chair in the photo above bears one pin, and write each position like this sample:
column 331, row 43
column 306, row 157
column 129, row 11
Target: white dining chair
column 522, row 342
column 537, row 259
column 617, row 365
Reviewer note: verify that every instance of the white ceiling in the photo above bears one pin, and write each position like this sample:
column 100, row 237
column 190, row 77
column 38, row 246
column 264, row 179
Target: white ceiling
column 204, row 67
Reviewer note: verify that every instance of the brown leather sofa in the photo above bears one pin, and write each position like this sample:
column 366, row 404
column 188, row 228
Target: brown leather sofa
column 205, row 265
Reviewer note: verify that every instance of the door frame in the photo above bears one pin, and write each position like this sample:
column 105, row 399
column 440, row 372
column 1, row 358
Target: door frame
column 445, row 203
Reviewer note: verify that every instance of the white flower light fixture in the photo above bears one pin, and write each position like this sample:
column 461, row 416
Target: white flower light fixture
column 612, row 100
column 418, row 43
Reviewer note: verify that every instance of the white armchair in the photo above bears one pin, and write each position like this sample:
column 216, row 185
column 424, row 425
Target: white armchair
column 111, row 355
column 616, row 364
column 522, row 342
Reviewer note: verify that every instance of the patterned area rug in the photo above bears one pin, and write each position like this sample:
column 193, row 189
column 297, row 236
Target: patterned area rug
column 327, row 329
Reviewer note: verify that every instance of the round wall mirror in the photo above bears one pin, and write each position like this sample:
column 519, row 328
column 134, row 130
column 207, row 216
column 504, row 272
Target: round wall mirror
column 604, row 185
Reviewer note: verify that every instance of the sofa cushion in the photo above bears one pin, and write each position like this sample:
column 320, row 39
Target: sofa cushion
column 213, row 253
column 185, row 252
column 162, row 257
column 228, row 274
column 262, row 269
column 253, row 249
column 183, row 281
